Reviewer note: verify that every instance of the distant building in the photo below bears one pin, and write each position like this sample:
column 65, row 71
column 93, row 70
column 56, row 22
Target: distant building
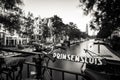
column 37, row 36
column 6, row 39
column 2, row 38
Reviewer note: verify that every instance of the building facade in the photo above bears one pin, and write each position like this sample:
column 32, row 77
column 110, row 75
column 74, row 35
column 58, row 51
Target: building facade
column 8, row 40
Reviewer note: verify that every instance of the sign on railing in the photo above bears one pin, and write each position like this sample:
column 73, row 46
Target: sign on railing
column 75, row 58
column 61, row 56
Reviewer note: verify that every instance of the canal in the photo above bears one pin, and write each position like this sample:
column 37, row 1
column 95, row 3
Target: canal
column 76, row 49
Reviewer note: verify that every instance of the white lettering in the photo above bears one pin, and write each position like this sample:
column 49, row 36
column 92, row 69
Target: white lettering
column 77, row 58
column 82, row 59
column 64, row 56
column 68, row 57
column 85, row 60
column 58, row 56
column 100, row 61
column 54, row 55
column 95, row 62
column 89, row 60
column 72, row 58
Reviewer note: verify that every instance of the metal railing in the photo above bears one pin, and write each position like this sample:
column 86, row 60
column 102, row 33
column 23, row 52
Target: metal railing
column 49, row 68
column 54, row 69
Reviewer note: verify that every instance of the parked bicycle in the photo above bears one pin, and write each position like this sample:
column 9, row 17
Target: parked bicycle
column 9, row 66
column 41, row 64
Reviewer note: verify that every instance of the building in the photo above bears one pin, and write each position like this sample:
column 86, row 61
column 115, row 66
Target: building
column 11, row 40
column 1, row 38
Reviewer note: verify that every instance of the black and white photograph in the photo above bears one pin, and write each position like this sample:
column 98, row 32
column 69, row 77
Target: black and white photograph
column 59, row 39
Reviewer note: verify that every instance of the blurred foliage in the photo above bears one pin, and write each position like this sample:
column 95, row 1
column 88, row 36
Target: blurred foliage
column 28, row 24
column 13, row 18
column 70, row 29
column 106, row 15
column 115, row 42
column 10, row 14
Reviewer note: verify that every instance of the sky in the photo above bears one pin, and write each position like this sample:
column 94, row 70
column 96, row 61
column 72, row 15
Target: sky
column 68, row 10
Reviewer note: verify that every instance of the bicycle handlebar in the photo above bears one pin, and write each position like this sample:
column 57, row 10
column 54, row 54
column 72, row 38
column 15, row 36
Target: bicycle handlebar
column 49, row 56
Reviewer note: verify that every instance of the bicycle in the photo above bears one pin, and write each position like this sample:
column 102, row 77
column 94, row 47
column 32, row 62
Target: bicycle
column 10, row 65
column 41, row 65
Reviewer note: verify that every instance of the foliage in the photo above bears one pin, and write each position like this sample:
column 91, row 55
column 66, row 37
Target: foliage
column 106, row 15
column 58, row 25
column 29, row 24
column 61, row 29
column 10, row 14
column 73, row 32
column 11, row 21
column 115, row 42
column 46, row 31
column 10, row 4
column 70, row 29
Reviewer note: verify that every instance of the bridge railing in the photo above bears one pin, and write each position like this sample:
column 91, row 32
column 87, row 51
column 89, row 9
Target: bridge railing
column 51, row 69
column 63, row 72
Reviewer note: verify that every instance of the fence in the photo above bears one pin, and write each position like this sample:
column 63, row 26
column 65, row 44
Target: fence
column 51, row 69
column 77, row 75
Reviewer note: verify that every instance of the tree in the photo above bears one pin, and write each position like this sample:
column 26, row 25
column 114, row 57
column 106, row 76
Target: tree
column 72, row 31
column 58, row 27
column 10, row 4
column 46, row 31
column 10, row 14
column 29, row 24
column 106, row 15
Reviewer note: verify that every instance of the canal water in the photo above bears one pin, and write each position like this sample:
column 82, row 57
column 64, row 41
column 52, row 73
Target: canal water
column 76, row 49
column 69, row 65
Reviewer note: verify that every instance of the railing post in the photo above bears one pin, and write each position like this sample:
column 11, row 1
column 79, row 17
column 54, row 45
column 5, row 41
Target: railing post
column 76, row 77
column 51, row 74
column 28, row 71
column 38, row 65
column 6, row 76
column 13, row 74
column 62, row 75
